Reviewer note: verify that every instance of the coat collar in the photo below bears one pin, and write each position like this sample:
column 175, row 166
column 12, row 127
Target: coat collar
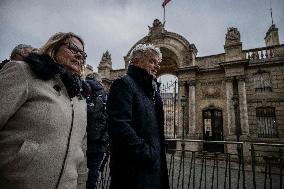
column 141, row 76
column 43, row 66
column 94, row 84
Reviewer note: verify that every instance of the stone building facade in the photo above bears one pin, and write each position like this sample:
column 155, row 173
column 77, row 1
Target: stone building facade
column 235, row 95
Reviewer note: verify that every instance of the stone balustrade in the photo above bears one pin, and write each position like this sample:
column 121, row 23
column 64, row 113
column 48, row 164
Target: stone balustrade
column 264, row 52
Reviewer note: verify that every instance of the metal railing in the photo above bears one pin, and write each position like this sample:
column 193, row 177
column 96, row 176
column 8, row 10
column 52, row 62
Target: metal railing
column 189, row 167
column 104, row 179
column 202, row 169
column 266, row 122
column 267, row 165
column 169, row 96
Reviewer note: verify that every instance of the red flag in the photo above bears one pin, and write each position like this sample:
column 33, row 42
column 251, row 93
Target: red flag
column 165, row 3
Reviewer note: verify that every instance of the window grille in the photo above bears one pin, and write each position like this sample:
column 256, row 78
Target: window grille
column 266, row 122
column 262, row 82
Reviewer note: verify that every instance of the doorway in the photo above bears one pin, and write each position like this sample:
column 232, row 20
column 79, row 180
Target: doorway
column 213, row 130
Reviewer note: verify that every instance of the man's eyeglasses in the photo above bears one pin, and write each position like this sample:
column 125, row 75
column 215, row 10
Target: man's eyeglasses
column 74, row 49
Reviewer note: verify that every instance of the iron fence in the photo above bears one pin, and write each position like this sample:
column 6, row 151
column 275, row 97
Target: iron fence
column 189, row 167
column 104, row 179
column 267, row 165
column 201, row 169
column 169, row 96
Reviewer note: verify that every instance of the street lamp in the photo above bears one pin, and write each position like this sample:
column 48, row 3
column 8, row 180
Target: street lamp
column 235, row 100
column 183, row 104
column 240, row 152
column 183, row 101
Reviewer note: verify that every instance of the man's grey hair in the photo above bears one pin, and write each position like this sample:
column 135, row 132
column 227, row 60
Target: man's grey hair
column 141, row 51
column 17, row 50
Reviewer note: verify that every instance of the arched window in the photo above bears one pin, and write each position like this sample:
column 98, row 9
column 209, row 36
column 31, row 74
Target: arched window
column 266, row 122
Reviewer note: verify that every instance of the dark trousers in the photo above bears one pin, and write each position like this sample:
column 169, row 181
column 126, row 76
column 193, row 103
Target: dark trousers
column 94, row 161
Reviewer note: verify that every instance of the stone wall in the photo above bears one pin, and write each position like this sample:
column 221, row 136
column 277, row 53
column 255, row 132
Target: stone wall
column 266, row 99
column 210, row 93
column 210, row 61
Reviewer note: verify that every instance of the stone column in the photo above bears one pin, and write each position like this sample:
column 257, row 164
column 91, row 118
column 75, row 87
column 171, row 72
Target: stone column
column 182, row 91
column 192, row 108
column 230, row 107
column 243, row 106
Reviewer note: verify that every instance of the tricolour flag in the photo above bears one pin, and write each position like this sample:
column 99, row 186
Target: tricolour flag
column 165, row 3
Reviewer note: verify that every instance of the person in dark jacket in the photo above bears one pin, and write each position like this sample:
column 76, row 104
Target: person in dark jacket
column 20, row 52
column 136, row 125
column 2, row 64
column 97, row 136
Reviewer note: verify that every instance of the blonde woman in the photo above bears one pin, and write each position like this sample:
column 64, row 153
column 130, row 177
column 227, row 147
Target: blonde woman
column 43, row 116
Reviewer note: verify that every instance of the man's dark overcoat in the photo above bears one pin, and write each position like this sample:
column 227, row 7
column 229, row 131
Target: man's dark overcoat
column 136, row 128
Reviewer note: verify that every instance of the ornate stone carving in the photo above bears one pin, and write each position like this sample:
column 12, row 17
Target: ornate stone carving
column 192, row 83
column 105, row 65
column 105, row 60
column 183, row 83
column 211, row 89
column 106, row 57
column 233, row 34
column 233, row 45
column 157, row 23
column 229, row 79
column 157, row 30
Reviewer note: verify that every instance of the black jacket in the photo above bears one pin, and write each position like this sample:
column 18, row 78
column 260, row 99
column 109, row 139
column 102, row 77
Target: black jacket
column 136, row 129
column 97, row 136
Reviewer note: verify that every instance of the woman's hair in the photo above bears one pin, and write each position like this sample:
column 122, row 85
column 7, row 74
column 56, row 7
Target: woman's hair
column 55, row 42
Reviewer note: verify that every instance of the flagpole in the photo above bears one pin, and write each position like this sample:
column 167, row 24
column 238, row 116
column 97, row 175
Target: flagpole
column 164, row 6
column 164, row 15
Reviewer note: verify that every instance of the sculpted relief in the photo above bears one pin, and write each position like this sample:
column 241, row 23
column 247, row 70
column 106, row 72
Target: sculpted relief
column 157, row 23
column 211, row 89
column 232, row 36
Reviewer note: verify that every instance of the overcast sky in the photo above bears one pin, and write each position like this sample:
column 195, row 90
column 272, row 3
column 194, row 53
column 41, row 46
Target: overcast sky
column 116, row 25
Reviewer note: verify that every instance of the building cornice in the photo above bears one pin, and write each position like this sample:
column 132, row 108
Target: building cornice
column 234, row 63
